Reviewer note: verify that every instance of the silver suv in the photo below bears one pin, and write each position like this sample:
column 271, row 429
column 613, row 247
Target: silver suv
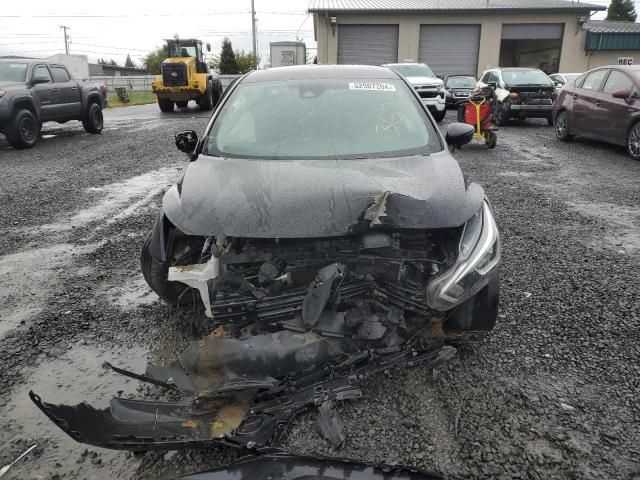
column 427, row 85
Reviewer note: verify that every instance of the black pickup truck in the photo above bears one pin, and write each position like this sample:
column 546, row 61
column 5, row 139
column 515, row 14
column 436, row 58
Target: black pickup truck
column 34, row 91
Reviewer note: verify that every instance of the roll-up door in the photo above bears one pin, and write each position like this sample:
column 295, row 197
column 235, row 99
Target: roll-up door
column 367, row 44
column 450, row 49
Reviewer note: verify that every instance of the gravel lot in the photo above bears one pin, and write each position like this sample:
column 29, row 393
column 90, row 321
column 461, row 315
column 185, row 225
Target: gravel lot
column 552, row 393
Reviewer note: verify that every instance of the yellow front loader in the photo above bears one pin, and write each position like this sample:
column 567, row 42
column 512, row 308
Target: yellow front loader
column 185, row 76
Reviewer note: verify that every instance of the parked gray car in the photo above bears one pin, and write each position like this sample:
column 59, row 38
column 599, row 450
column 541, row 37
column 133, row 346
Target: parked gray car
column 34, row 91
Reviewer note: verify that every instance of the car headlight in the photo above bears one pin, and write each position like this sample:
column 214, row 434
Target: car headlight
column 2, row 93
column 479, row 254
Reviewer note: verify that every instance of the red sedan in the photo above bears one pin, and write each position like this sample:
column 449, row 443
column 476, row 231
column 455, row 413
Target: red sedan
column 603, row 104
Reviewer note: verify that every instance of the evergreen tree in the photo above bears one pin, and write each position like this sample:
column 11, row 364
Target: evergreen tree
column 153, row 61
column 113, row 62
column 622, row 10
column 128, row 62
column 228, row 64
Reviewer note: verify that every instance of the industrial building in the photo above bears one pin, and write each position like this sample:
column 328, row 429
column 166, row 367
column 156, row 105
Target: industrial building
column 287, row 53
column 469, row 36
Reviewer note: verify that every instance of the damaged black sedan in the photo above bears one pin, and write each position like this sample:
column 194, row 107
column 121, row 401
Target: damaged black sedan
column 329, row 235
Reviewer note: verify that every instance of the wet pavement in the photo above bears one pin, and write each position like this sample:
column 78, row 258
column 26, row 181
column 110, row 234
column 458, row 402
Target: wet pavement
column 551, row 393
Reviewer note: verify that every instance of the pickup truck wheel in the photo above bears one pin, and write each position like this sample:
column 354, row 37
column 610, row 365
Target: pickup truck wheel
column 155, row 274
column 93, row 121
column 439, row 116
column 502, row 113
column 24, row 130
column 165, row 105
column 206, row 99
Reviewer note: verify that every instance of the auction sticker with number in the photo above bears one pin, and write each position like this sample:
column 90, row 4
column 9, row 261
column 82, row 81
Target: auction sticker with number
column 372, row 86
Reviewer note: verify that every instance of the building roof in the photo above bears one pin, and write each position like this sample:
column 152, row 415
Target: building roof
column 608, row 26
column 366, row 6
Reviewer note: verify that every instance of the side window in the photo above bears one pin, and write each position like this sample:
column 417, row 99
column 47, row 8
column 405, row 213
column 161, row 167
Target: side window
column 618, row 81
column 60, row 74
column 594, row 80
column 485, row 77
column 41, row 71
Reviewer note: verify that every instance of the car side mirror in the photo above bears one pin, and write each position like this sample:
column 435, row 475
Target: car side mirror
column 208, row 47
column 459, row 134
column 187, row 141
column 557, row 84
column 625, row 93
column 493, row 85
column 40, row 79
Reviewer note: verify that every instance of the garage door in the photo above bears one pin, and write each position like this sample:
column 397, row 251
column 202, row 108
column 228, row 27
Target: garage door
column 532, row 31
column 367, row 44
column 450, row 49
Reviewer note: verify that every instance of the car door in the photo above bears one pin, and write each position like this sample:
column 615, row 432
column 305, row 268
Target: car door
column 71, row 102
column 43, row 93
column 614, row 114
column 584, row 100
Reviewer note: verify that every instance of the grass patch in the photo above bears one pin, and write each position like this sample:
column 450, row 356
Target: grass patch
column 137, row 98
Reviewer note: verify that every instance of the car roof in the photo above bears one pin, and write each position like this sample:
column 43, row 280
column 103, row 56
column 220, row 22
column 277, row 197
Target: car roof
column 311, row 72
column 514, row 69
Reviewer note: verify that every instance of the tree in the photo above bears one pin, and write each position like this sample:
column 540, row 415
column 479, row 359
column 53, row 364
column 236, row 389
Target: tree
column 228, row 64
column 128, row 62
column 214, row 63
column 622, row 10
column 113, row 62
column 246, row 61
column 153, row 61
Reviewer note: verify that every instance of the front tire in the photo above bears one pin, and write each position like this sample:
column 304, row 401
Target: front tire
column 24, row 130
column 206, row 99
column 439, row 116
column 633, row 142
column 562, row 127
column 165, row 105
column 93, row 121
column 155, row 274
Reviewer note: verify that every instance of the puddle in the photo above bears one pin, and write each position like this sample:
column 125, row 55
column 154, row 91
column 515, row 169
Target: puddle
column 27, row 278
column 130, row 293
column 623, row 224
column 120, row 200
column 76, row 376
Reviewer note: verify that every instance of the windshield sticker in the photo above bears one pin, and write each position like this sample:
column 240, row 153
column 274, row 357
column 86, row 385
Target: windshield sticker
column 385, row 87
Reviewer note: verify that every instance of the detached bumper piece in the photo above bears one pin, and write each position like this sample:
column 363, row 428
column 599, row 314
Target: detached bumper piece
column 237, row 411
column 293, row 467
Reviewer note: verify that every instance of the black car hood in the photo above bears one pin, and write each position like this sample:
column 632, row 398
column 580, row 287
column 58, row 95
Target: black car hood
column 289, row 467
column 320, row 198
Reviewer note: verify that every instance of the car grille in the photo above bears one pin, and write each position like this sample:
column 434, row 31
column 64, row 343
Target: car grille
column 174, row 74
column 428, row 94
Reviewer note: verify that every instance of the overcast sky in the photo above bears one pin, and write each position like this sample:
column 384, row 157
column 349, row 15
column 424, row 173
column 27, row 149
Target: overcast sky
column 111, row 29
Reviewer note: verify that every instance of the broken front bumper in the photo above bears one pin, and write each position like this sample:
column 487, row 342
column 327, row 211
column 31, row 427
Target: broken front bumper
column 239, row 412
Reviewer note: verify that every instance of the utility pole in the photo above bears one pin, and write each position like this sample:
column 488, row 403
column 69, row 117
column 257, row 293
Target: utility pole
column 66, row 38
column 253, row 30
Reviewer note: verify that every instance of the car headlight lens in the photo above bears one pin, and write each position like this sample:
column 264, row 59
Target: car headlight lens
column 2, row 93
column 479, row 254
